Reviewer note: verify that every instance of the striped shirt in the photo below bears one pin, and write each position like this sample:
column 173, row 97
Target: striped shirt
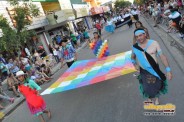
column 68, row 52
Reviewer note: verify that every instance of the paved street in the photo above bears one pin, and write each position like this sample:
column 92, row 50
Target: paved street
column 115, row 100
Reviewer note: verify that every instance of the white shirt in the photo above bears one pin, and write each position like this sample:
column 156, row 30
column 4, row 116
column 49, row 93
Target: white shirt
column 109, row 22
column 27, row 52
column 127, row 15
column 55, row 52
column 133, row 12
column 175, row 15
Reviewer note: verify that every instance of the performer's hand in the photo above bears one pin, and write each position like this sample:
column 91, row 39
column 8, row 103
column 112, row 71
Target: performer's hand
column 137, row 67
column 169, row 75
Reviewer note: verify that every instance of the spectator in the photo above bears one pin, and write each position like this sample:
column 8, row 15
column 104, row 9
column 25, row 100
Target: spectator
column 35, row 53
column 175, row 17
column 4, row 96
column 181, row 27
column 38, row 76
column 86, row 35
column 155, row 14
column 43, row 66
column 58, row 39
column 42, row 52
column 2, row 59
column 73, row 39
column 26, row 63
column 166, row 5
column 12, row 84
column 98, row 27
column 4, row 70
column 22, row 52
column 55, row 52
column 50, row 49
column 13, row 68
column 27, row 51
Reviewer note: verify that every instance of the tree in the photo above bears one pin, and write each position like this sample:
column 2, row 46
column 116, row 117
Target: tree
column 139, row 2
column 14, row 37
column 122, row 4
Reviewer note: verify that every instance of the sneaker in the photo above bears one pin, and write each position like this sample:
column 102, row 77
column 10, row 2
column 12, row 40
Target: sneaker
column 181, row 35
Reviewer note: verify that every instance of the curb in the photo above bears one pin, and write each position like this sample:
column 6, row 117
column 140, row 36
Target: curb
column 11, row 107
column 178, row 41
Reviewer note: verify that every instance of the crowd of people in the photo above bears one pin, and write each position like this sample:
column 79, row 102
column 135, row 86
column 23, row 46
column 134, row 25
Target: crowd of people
column 37, row 64
column 168, row 12
column 34, row 68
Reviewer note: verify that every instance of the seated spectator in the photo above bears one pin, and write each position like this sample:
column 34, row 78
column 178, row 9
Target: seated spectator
column 39, row 77
column 4, row 70
column 43, row 65
column 42, row 52
column 181, row 27
column 175, row 16
column 4, row 96
column 2, row 59
column 13, row 84
column 55, row 52
column 13, row 68
column 46, row 69
column 39, row 61
column 26, row 64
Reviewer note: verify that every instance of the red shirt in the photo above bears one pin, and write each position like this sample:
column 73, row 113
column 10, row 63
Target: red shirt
column 98, row 26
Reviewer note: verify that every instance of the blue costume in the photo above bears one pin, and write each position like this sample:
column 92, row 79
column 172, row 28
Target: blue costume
column 152, row 81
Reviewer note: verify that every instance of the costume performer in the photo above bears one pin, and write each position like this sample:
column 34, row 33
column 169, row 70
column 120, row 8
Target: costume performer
column 99, row 47
column 110, row 26
column 152, row 81
column 35, row 102
column 68, row 54
column 127, row 18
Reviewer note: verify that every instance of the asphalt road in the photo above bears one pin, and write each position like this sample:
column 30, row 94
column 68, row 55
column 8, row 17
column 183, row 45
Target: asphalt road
column 115, row 100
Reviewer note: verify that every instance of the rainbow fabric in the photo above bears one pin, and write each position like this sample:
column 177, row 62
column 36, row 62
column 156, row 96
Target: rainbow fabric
column 87, row 72
column 100, row 48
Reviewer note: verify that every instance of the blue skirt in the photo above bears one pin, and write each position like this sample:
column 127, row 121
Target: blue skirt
column 109, row 28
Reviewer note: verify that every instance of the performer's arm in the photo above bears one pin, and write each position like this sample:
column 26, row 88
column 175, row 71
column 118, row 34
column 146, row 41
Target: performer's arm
column 164, row 61
column 62, row 58
column 33, row 84
column 74, row 51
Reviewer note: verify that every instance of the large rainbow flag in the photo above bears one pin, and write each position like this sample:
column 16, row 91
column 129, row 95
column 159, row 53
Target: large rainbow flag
column 87, row 72
column 100, row 48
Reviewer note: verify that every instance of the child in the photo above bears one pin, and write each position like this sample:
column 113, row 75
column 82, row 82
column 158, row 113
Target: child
column 35, row 102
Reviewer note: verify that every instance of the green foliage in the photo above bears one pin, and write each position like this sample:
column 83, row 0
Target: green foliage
column 15, row 37
column 139, row 2
column 122, row 4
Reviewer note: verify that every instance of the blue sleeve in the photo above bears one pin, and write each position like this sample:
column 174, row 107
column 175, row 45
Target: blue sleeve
column 62, row 53
column 72, row 49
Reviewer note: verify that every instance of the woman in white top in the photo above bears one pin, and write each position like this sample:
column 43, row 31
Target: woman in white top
column 110, row 25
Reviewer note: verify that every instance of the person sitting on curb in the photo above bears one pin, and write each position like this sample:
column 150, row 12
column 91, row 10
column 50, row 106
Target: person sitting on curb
column 13, row 84
column 4, row 96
